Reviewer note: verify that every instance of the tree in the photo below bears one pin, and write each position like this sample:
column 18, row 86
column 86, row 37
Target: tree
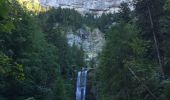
column 148, row 14
column 164, row 23
column 124, row 12
column 116, row 78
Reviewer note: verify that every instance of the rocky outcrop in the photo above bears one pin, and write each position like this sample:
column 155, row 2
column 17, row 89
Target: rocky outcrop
column 91, row 85
column 84, row 6
column 91, row 41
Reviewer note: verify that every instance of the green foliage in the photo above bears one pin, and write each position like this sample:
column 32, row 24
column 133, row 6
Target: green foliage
column 10, row 68
column 105, row 21
column 119, row 82
column 167, row 5
column 5, row 22
column 4, row 9
column 128, row 64
column 11, row 74
column 38, row 62
column 65, row 18
column 124, row 13
column 165, row 43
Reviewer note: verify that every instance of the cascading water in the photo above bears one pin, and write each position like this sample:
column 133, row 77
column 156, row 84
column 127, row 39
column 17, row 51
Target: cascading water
column 78, row 90
column 81, row 85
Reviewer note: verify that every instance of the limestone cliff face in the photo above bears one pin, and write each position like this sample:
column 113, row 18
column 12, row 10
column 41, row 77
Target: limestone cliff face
column 84, row 6
column 91, row 41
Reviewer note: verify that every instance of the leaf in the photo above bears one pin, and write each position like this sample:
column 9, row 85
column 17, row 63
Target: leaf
column 7, row 27
column 4, row 9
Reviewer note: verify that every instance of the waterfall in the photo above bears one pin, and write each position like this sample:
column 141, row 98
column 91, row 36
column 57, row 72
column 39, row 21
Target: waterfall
column 81, row 85
column 78, row 90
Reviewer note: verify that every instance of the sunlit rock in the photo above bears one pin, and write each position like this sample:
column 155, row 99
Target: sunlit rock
column 91, row 41
column 85, row 6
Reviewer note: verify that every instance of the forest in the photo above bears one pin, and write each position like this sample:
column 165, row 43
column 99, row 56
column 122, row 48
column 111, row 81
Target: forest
column 37, row 63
